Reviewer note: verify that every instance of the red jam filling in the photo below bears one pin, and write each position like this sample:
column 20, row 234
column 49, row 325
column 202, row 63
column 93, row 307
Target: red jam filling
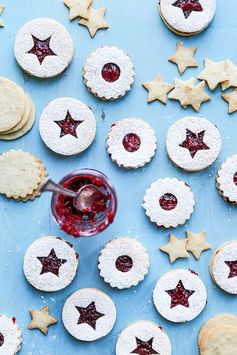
column 188, row 6
column 124, row 263
column 233, row 268
column 235, row 178
column 194, row 142
column 1, row 339
column 131, row 142
column 144, row 347
column 168, row 202
column 41, row 49
column 110, row 72
column 68, row 126
column 179, row 295
column 51, row 263
column 89, row 315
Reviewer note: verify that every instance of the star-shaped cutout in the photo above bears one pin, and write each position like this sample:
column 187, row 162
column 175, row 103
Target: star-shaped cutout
column 231, row 71
column 78, row 8
column 180, row 88
column 179, row 295
column 195, row 96
column 214, row 73
column 68, row 126
column 144, row 347
column 89, row 315
column 41, row 49
column 231, row 98
column 233, row 268
column 194, row 142
column 197, row 243
column 2, row 7
column 41, row 320
column 51, row 263
column 158, row 89
column 188, row 6
column 184, row 57
column 95, row 20
column 176, row 248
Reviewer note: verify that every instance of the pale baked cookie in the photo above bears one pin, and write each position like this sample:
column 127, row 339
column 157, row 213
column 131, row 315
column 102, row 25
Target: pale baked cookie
column 193, row 143
column 10, row 336
column 143, row 337
column 123, row 262
column 43, row 48
column 89, row 314
column 180, row 295
column 195, row 96
column 180, row 89
column 231, row 71
column 41, row 320
column 95, row 20
column 214, row 73
column 169, row 202
column 67, row 126
column 108, row 73
column 231, row 98
column 184, row 57
column 187, row 17
column 157, row 89
column 131, row 143
column 50, row 264
column 78, row 8
column 221, row 340
column 2, row 7
column 176, row 248
column 226, row 179
column 196, row 243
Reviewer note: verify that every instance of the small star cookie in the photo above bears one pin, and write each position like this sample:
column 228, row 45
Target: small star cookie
column 179, row 92
column 158, row 89
column 197, row 243
column 78, row 8
column 231, row 71
column 184, row 57
column 214, row 73
column 2, row 7
column 41, row 320
column 176, row 248
column 231, row 98
column 95, row 20
column 195, row 96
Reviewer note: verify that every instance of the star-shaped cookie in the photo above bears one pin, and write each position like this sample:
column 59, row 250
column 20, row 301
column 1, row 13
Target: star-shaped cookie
column 184, row 57
column 231, row 71
column 214, row 73
column 78, row 8
column 197, row 243
column 2, row 7
column 176, row 248
column 95, row 20
column 158, row 89
column 231, row 98
column 195, row 96
column 41, row 320
column 179, row 92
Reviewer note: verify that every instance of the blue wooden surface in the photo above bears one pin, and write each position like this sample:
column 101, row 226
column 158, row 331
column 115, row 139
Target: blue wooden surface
column 135, row 26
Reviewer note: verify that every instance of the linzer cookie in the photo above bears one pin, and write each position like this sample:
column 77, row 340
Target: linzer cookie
column 123, row 262
column 193, row 143
column 108, row 73
column 169, row 202
column 43, row 48
column 89, row 314
column 131, row 143
column 226, row 180
column 67, row 126
column 50, row 264
column 180, row 295
column 143, row 337
column 187, row 17
column 10, row 336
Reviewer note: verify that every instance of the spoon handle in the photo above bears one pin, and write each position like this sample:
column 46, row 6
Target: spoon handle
column 53, row 187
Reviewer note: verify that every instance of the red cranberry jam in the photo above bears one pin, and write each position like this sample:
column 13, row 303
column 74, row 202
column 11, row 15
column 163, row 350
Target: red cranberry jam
column 131, row 142
column 110, row 72
column 233, row 268
column 168, row 202
column 235, row 178
column 87, row 222
column 179, row 295
column 68, row 126
column 194, row 142
column 124, row 263
column 188, row 6
column 89, row 315
column 41, row 49
column 144, row 347
column 1, row 339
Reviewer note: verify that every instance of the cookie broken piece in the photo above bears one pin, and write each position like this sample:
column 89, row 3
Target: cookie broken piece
column 214, row 73
column 231, row 98
column 176, row 248
column 41, row 320
column 184, row 57
column 78, row 8
column 158, row 89
column 95, row 20
column 2, row 7
column 196, row 243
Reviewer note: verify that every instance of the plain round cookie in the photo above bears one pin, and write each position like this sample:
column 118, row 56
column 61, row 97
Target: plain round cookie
column 11, row 336
column 93, row 305
column 143, row 333
column 221, row 341
column 227, row 179
column 57, row 47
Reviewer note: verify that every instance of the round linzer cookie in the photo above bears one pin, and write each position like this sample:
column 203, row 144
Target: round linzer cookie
column 169, row 202
column 227, row 180
column 43, row 48
column 89, row 314
column 108, row 73
column 187, row 17
column 123, row 262
column 131, row 143
column 180, row 295
column 143, row 337
column 10, row 336
column 223, row 267
column 50, row 264
column 193, row 143
column 67, row 126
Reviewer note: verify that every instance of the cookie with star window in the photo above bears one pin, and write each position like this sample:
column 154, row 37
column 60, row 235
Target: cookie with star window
column 193, row 143
column 43, row 48
column 89, row 314
column 226, row 180
column 67, row 126
column 180, row 295
column 50, row 264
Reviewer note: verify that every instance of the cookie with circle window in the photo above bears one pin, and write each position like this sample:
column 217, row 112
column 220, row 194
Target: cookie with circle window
column 10, row 336
column 226, row 180
column 108, row 73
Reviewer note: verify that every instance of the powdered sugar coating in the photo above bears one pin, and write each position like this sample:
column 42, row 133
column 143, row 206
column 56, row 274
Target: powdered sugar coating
column 60, row 43
column 12, row 334
column 116, row 150
column 32, row 266
column 143, row 330
column 181, row 156
column 120, row 247
column 93, row 77
column 50, row 131
column 225, row 181
column 82, row 298
column 179, row 313
column 176, row 216
column 196, row 22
